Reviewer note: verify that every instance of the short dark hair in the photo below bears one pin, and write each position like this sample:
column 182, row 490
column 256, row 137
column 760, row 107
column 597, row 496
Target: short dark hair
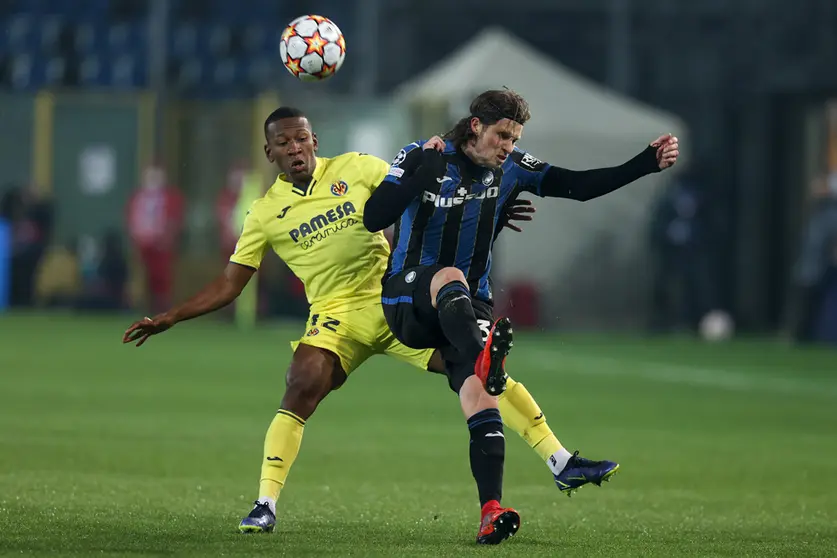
column 491, row 107
column 281, row 113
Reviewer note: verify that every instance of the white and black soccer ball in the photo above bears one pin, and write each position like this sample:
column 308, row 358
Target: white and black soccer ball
column 312, row 48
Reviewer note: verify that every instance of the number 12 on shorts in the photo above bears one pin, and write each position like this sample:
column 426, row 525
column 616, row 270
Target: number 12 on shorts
column 328, row 322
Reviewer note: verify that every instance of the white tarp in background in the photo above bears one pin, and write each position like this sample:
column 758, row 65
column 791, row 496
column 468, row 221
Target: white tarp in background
column 589, row 260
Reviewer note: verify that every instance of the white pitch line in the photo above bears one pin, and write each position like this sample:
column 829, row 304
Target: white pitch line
column 682, row 374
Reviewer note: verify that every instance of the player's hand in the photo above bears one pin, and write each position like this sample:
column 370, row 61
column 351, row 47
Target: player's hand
column 667, row 150
column 519, row 210
column 432, row 163
column 140, row 331
column 436, row 143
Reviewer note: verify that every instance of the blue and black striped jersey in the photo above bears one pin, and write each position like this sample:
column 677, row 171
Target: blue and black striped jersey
column 455, row 218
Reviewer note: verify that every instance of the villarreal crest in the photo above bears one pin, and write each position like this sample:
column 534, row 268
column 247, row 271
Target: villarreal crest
column 339, row 188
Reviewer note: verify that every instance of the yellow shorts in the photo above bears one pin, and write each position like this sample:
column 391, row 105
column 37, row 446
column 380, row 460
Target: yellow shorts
column 356, row 335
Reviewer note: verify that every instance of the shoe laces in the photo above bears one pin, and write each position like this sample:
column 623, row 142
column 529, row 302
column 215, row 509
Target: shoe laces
column 579, row 461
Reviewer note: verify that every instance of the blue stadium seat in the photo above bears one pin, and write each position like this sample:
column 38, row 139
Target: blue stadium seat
column 31, row 7
column 21, row 34
column 50, row 33
column 225, row 73
column 184, row 40
column 55, row 70
column 189, row 73
column 127, row 37
column 216, row 40
column 118, row 36
column 254, row 39
column 85, row 38
column 91, row 72
column 124, row 72
column 22, row 67
column 261, row 72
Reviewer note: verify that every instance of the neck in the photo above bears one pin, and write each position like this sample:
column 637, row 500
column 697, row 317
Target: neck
column 469, row 149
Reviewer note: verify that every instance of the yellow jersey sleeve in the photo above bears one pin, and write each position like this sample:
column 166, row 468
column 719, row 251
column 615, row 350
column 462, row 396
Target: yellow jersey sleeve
column 375, row 170
column 252, row 244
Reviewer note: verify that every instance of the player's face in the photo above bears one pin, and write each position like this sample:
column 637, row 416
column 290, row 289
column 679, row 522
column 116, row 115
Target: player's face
column 293, row 147
column 495, row 142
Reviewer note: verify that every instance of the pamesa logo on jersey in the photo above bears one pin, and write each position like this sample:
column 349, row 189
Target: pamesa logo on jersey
column 321, row 226
column 339, row 188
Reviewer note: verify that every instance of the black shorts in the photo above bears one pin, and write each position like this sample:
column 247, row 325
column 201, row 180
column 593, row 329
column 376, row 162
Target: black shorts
column 414, row 321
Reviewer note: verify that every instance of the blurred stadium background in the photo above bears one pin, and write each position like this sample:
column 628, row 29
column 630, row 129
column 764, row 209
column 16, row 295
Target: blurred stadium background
column 96, row 91
column 103, row 99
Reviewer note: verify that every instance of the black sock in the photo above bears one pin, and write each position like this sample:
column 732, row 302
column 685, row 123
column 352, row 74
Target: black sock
column 488, row 452
column 456, row 315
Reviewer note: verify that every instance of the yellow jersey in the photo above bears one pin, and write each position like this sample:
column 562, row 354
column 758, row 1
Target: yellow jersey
column 318, row 231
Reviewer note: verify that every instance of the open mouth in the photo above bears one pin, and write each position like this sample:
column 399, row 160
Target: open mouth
column 298, row 165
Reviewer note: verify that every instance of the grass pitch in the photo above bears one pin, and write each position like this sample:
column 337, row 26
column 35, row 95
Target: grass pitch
column 105, row 449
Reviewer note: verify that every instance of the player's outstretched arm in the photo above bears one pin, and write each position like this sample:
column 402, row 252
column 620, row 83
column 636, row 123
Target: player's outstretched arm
column 586, row 185
column 390, row 199
column 215, row 295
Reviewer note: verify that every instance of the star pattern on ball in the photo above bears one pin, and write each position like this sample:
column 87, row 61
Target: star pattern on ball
column 327, row 70
column 341, row 42
column 293, row 66
column 318, row 18
column 316, row 44
column 288, row 33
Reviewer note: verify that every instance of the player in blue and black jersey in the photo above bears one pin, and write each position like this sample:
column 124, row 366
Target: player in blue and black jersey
column 446, row 205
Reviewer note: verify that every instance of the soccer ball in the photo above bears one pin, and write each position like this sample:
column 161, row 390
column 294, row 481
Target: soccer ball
column 312, row 48
column 717, row 325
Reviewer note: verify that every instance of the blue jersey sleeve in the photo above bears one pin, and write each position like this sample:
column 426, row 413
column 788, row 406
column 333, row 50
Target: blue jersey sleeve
column 529, row 171
column 405, row 163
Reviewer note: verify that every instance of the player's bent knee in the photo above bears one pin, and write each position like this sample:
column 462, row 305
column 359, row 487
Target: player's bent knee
column 445, row 277
column 302, row 395
column 473, row 398
column 313, row 374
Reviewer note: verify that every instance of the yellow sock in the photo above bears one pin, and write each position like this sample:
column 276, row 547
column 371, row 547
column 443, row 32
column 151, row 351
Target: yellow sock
column 521, row 413
column 281, row 446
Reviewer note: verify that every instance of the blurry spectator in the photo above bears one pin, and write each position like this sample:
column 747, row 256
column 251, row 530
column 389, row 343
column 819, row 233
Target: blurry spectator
column 10, row 202
column 678, row 238
column 225, row 207
column 816, row 269
column 155, row 219
column 30, row 215
column 58, row 281
column 106, row 288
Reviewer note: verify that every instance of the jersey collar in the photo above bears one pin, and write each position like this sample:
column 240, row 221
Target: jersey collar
column 467, row 163
column 319, row 170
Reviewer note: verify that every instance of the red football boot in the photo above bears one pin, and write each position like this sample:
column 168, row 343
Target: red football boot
column 498, row 523
column 490, row 366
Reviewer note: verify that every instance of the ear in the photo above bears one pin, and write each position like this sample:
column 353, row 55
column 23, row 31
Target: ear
column 476, row 125
column 315, row 141
column 268, row 154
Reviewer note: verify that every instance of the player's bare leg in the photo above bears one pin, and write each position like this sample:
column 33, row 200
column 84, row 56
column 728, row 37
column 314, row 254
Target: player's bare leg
column 312, row 375
column 452, row 299
column 521, row 413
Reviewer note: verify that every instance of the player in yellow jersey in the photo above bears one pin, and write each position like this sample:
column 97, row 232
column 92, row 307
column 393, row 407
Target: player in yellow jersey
column 312, row 218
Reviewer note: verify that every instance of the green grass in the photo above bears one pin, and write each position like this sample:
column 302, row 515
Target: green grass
column 726, row 450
